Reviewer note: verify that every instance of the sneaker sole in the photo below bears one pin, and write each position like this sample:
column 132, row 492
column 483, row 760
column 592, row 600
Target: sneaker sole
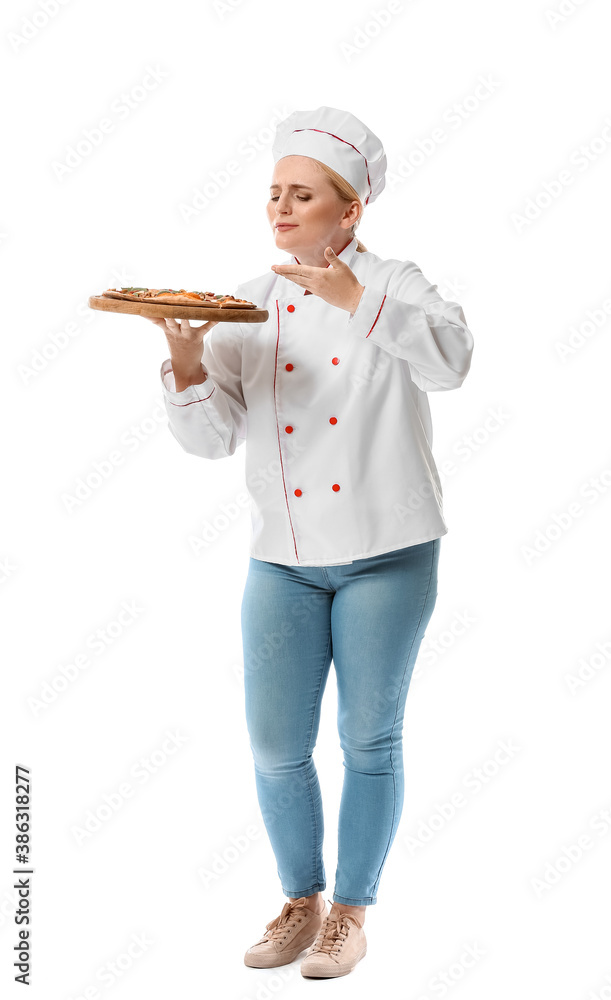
column 262, row 961
column 328, row 973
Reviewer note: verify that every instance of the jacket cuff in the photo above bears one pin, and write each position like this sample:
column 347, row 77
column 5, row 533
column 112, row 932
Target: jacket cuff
column 192, row 393
column 363, row 320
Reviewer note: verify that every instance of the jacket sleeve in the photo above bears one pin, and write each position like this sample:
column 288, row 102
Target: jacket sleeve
column 411, row 321
column 209, row 419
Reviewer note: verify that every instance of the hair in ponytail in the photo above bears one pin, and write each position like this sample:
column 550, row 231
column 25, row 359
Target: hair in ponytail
column 346, row 192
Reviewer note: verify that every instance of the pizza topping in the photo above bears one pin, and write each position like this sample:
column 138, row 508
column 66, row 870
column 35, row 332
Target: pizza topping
column 180, row 296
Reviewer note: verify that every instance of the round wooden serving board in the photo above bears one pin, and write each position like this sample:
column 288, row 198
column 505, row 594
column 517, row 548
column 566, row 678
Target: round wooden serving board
column 158, row 309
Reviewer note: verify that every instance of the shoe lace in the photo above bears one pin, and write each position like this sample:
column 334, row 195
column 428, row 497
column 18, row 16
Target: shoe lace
column 279, row 926
column 333, row 932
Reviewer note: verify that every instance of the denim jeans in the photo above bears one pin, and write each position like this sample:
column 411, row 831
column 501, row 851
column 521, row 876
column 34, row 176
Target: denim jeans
column 368, row 617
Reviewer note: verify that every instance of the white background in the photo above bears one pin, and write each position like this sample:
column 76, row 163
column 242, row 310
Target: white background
column 504, row 874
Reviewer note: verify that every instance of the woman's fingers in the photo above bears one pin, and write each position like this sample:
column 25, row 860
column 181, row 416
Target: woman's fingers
column 184, row 326
column 181, row 327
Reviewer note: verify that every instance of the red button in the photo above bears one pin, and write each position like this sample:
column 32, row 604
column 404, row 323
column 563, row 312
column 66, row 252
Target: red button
column 332, row 420
column 289, row 368
column 290, row 309
column 335, row 487
column 297, row 493
column 335, row 361
column 289, row 429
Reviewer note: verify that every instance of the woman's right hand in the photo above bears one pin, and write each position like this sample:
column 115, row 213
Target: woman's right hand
column 180, row 335
column 186, row 344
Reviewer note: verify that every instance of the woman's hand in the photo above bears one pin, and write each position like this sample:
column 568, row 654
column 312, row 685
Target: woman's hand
column 180, row 335
column 338, row 285
column 186, row 348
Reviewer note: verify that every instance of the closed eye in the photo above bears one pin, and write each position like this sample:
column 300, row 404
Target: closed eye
column 301, row 197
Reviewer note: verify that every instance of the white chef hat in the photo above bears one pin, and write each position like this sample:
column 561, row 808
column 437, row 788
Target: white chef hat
column 338, row 139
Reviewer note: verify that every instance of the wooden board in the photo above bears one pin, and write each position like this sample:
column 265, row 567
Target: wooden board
column 155, row 310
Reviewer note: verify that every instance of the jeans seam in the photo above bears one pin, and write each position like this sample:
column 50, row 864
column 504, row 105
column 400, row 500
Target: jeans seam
column 394, row 783
column 317, row 829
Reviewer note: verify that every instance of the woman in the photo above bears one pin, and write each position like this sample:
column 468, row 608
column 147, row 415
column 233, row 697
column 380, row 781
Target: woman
column 346, row 505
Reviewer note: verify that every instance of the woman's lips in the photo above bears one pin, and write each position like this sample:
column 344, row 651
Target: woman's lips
column 281, row 228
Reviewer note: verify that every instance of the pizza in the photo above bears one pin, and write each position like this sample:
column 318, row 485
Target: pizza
column 178, row 297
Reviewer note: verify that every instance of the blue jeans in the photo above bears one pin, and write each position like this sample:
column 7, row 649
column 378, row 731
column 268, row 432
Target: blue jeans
column 369, row 617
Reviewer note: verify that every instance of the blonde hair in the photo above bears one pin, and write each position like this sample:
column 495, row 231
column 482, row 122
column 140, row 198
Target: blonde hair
column 346, row 192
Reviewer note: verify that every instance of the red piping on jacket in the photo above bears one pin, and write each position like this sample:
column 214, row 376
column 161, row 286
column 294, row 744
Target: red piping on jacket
column 378, row 316
column 278, row 432
column 194, row 400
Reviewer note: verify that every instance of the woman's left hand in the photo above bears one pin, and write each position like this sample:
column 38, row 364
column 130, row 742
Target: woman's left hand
column 338, row 285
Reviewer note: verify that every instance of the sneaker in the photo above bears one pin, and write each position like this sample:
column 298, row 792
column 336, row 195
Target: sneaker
column 286, row 936
column 340, row 944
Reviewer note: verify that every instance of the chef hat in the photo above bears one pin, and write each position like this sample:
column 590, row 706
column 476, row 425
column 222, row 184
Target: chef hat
column 341, row 141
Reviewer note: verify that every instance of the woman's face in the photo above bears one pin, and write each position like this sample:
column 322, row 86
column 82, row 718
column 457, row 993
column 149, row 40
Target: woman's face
column 301, row 196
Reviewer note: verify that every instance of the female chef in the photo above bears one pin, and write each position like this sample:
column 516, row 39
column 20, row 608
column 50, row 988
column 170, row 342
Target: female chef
column 346, row 505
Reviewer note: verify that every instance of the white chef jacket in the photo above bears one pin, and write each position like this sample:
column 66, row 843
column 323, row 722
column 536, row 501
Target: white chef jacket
column 333, row 409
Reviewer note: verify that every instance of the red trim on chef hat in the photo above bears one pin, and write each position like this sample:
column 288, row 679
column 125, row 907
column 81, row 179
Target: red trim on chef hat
column 338, row 139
